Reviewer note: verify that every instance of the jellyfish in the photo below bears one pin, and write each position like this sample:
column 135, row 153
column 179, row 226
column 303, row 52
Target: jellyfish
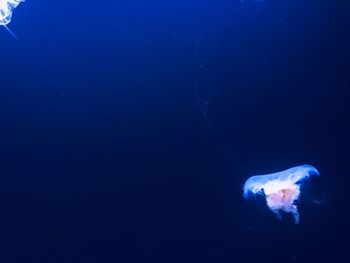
column 6, row 9
column 280, row 189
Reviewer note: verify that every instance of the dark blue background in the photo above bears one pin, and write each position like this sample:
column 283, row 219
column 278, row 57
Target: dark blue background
column 127, row 129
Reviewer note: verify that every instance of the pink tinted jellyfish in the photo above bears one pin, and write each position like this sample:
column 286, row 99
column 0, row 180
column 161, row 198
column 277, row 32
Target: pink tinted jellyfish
column 281, row 189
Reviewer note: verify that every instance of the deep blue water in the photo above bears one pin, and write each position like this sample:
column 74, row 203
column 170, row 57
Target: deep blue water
column 129, row 127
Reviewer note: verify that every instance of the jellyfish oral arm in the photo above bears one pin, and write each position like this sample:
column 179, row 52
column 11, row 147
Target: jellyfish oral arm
column 281, row 189
column 282, row 199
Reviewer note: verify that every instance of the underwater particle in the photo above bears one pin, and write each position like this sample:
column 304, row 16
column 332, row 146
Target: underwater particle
column 281, row 189
column 6, row 9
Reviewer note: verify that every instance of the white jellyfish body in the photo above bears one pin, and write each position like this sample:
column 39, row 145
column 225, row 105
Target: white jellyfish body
column 281, row 189
column 6, row 9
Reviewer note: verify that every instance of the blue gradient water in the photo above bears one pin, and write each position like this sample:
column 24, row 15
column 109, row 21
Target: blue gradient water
column 129, row 127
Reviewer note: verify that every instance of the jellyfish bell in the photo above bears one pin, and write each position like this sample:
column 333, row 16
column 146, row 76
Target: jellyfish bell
column 280, row 189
